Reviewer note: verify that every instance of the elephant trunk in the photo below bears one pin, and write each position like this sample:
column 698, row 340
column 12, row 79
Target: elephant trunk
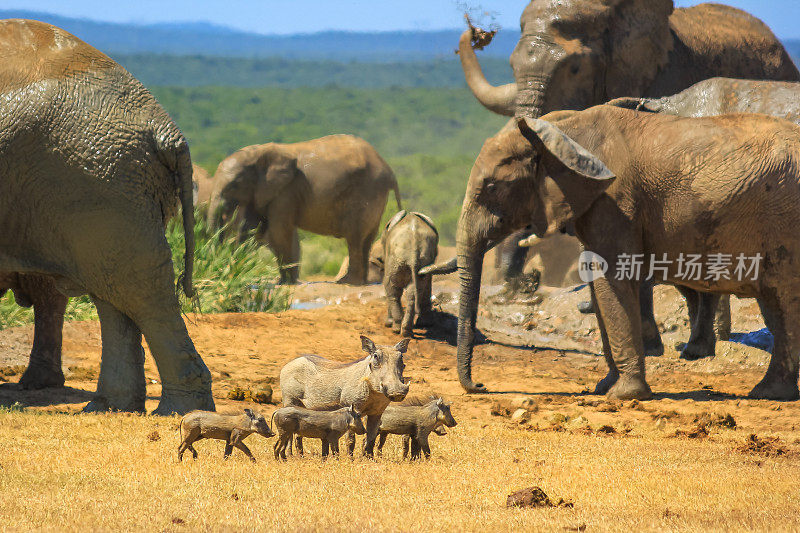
column 184, row 168
column 497, row 99
column 469, row 256
column 530, row 96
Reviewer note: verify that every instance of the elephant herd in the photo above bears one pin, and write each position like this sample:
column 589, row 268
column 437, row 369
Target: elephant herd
column 683, row 162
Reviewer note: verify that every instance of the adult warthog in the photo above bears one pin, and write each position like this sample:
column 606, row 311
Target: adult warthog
column 368, row 384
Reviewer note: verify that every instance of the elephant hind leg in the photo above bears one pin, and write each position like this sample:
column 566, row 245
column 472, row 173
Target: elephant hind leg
column 702, row 307
column 44, row 369
column 121, row 385
column 653, row 346
column 782, row 317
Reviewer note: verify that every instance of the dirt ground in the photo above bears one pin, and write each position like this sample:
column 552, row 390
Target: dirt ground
column 683, row 461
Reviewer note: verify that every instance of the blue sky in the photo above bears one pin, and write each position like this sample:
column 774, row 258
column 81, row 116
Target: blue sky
column 302, row 16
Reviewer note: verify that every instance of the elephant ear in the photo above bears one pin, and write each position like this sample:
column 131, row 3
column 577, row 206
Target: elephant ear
column 276, row 168
column 578, row 178
column 640, row 42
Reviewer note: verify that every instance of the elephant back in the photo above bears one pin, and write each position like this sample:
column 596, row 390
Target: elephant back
column 34, row 51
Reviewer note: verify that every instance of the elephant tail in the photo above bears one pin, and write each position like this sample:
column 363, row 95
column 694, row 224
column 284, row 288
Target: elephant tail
column 184, row 171
column 396, row 189
column 415, row 273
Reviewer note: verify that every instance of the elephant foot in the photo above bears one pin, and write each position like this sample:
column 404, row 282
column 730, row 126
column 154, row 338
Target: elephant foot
column 41, row 377
column 694, row 350
column 389, row 323
column 396, row 328
column 653, row 347
column 101, row 404
column 630, row 388
column 408, row 332
column 776, row 388
column 473, row 388
column 605, row 384
column 174, row 401
column 426, row 320
column 349, row 279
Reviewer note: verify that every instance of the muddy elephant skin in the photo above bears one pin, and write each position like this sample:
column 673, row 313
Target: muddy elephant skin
column 335, row 185
column 92, row 168
column 631, row 183
column 574, row 54
column 409, row 242
column 715, row 96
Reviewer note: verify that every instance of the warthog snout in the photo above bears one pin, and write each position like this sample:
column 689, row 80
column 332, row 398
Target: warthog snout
column 396, row 394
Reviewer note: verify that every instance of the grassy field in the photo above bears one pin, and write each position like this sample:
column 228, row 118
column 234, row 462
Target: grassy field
column 78, row 473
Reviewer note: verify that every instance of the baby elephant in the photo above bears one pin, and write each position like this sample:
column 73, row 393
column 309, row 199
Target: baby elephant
column 409, row 243
column 415, row 421
column 233, row 429
column 329, row 426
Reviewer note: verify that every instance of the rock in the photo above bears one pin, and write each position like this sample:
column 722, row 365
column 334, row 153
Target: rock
column 608, row 407
column 607, row 430
column 530, row 497
column 557, row 418
column 501, row 408
column 263, row 396
column 520, row 416
column 661, row 423
column 579, row 423
column 633, row 404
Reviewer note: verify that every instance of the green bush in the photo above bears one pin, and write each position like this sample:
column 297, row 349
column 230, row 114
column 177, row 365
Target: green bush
column 228, row 278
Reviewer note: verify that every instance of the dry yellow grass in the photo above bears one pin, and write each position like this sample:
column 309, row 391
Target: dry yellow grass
column 102, row 472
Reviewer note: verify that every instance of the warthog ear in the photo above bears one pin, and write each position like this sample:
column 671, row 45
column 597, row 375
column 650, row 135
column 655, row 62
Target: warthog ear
column 402, row 346
column 250, row 413
column 440, row 402
column 367, row 345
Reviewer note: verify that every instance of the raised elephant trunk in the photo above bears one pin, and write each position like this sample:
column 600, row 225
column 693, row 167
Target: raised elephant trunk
column 184, row 169
column 530, row 97
column 469, row 256
column 500, row 99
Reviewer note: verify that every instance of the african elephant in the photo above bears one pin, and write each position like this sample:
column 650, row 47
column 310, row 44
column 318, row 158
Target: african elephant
column 202, row 185
column 93, row 168
column 335, row 185
column 662, row 186
column 715, row 96
column 409, row 242
column 574, row 54
column 31, row 290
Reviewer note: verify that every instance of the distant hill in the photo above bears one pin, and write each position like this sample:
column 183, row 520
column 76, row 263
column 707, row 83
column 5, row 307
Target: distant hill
column 196, row 71
column 199, row 38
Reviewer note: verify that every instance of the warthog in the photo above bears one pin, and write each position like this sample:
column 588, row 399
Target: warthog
column 329, row 426
column 409, row 242
column 415, row 421
column 233, row 429
column 368, row 385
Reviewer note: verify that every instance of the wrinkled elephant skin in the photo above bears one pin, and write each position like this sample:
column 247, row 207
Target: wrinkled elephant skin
column 93, row 168
column 603, row 171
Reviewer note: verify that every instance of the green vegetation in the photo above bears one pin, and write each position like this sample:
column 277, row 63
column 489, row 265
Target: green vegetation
column 430, row 137
column 196, row 71
column 227, row 277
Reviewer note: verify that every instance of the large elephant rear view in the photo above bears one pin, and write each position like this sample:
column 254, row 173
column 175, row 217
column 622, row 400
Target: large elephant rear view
column 91, row 168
